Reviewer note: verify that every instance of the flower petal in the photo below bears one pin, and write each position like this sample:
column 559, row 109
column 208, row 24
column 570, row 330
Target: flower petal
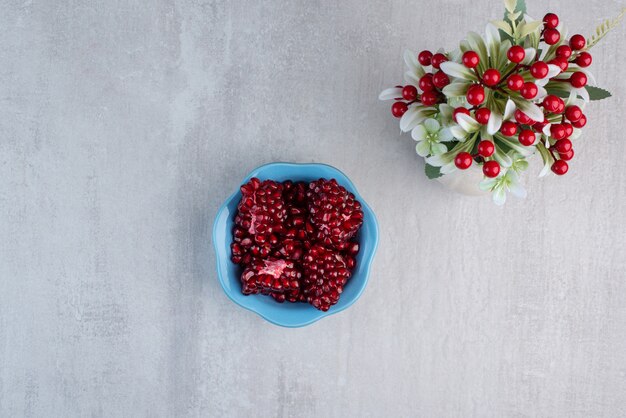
column 456, row 89
column 411, row 60
column 467, row 122
column 432, row 126
column 438, row 148
column 509, row 110
column 532, row 110
column 391, row 93
column 517, row 190
column 419, row 133
column 412, row 118
column 499, row 196
column 494, row 123
column 445, row 135
column 446, row 111
column 529, row 57
column 448, row 168
column 458, row 132
column 422, row 148
column 457, row 70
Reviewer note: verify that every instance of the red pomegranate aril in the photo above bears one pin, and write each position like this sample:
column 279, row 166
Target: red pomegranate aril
column 482, row 115
column 325, row 273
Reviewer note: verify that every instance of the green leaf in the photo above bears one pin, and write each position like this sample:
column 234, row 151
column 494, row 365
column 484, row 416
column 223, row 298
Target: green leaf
column 520, row 7
column 432, row 172
column 596, row 93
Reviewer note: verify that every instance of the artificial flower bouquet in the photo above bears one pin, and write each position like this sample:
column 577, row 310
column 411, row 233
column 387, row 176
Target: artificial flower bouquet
column 517, row 91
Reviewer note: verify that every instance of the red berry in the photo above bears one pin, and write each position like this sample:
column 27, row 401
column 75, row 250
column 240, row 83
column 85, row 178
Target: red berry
column 458, row 110
column 426, row 82
column 491, row 169
column 424, row 57
column 569, row 129
column 539, row 69
column 566, row 156
column 522, row 118
column 475, row 95
column 437, row 59
column 463, row 160
column 398, row 109
column 409, row 92
column 561, row 107
column 429, row 98
column 577, row 42
column 552, row 103
column 551, row 36
column 561, row 62
column 573, row 113
column 440, row 79
column 580, row 122
column 470, row 59
column 482, row 115
column 529, row 90
column 491, row 77
column 584, row 59
column 578, row 79
column 564, row 51
column 515, row 82
column 516, row 54
column 526, row 137
column 563, row 145
column 508, row 128
column 540, row 125
column 550, row 20
column 557, row 131
column 486, row 148
column 559, row 167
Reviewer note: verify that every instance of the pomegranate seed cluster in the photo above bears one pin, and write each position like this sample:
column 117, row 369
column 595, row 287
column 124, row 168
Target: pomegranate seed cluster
column 296, row 241
column 519, row 90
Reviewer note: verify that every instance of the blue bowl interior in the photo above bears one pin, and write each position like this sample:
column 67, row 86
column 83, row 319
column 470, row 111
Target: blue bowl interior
column 292, row 314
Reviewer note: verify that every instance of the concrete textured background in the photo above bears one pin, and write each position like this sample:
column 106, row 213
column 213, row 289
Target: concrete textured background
column 125, row 124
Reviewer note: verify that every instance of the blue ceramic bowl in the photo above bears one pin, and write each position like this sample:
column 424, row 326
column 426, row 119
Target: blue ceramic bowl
column 291, row 314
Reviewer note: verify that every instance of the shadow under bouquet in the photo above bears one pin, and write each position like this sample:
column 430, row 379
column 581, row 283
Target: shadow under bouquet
column 486, row 107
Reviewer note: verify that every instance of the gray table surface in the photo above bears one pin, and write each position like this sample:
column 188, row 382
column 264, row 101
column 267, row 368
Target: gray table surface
column 125, row 124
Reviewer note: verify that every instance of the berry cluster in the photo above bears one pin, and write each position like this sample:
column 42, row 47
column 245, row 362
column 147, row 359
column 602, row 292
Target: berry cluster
column 520, row 80
column 296, row 241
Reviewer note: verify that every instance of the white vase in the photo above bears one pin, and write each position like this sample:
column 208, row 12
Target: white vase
column 464, row 181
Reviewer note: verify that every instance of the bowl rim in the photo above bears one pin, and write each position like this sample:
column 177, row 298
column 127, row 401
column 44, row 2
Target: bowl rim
column 366, row 262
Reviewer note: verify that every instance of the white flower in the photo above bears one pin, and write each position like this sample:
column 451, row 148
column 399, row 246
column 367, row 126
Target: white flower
column 499, row 186
column 429, row 136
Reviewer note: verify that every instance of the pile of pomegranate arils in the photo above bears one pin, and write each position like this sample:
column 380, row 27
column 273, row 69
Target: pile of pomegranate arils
column 296, row 241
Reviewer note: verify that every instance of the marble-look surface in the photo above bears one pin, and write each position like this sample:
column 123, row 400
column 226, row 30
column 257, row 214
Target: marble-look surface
column 125, row 124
